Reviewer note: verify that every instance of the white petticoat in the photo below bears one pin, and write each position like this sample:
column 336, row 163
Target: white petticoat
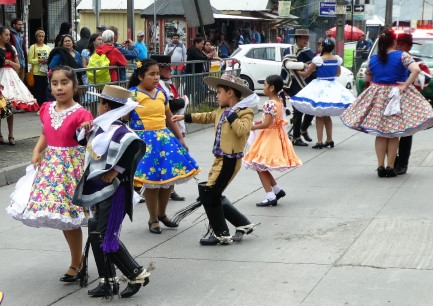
column 15, row 91
column 323, row 98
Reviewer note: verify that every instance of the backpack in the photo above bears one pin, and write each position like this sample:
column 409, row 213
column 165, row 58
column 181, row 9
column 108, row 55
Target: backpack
column 101, row 75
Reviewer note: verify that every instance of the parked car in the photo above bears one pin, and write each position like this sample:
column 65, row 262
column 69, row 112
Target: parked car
column 258, row 61
column 423, row 51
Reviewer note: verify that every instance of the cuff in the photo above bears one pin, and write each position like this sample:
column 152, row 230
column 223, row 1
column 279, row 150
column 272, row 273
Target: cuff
column 119, row 169
column 188, row 118
column 232, row 117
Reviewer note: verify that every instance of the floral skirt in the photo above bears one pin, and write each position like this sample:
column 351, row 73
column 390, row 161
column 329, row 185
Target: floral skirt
column 50, row 203
column 166, row 161
column 271, row 150
column 5, row 111
column 322, row 98
column 366, row 114
column 16, row 92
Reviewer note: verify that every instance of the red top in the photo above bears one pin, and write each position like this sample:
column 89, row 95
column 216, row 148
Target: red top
column 115, row 56
column 59, row 127
column 9, row 57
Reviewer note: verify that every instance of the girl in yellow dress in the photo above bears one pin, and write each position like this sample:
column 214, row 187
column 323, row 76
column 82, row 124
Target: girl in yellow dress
column 272, row 149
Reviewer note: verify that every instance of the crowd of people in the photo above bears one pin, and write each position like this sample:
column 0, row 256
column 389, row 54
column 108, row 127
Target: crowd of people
column 87, row 170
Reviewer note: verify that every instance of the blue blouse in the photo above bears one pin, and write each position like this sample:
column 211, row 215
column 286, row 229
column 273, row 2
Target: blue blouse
column 57, row 60
column 393, row 71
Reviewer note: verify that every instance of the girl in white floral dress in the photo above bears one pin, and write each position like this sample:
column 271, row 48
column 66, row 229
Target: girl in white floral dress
column 60, row 159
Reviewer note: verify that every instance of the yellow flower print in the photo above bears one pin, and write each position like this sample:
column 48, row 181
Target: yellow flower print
column 162, row 153
column 152, row 169
column 163, row 171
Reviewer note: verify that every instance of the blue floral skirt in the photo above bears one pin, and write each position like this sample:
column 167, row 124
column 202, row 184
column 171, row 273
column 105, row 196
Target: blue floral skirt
column 166, row 161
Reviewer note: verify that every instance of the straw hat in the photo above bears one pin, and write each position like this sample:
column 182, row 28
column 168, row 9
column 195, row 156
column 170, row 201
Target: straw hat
column 114, row 93
column 229, row 81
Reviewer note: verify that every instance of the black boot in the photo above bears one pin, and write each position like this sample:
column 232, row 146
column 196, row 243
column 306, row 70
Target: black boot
column 214, row 210
column 103, row 289
column 238, row 220
column 135, row 273
column 404, row 149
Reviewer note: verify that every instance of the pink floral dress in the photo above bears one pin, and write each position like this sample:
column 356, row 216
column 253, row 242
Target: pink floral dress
column 50, row 203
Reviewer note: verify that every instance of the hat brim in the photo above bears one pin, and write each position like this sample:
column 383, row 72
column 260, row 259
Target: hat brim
column 214, row 82
column 105, row 97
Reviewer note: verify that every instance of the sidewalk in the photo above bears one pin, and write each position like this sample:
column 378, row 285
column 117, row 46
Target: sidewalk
column 341, row 236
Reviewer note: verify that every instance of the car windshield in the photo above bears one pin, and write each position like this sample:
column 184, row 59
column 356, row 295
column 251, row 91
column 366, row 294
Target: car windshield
column 236, row 52
column 424, row 50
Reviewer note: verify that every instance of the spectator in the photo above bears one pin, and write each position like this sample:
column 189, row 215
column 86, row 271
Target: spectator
column 127, row 48
column 38, row 58
column 329, row 36
column 95, row 41
column 257, row 39
column 84, row 40
column 65, row 28
column 113, row 54
column 18, row 40
column 101, row 29
column 141, row 46
column 319, row 46
column 363, row 46
column 177, row 51
column 278, row 40
column 224, row 48
column 210, row 52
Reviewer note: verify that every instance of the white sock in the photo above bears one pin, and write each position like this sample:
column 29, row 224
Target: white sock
column 270, row 196
column 276, row 189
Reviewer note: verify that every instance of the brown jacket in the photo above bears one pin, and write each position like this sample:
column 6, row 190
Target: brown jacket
column 234, row 131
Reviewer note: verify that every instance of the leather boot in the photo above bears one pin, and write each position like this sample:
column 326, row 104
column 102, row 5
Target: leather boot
column 103, row 289
column 135, row 273
column 214, row 210
column 96, row 240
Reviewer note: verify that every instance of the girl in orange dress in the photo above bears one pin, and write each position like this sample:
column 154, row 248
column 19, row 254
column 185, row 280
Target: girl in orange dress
column 272, row 149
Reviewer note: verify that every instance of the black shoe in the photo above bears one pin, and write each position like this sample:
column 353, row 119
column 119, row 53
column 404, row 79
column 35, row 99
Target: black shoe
column 328, row 144
column 103, row 289
column 401, row 170
column 299, row 142
column 134, row 285
column 175, row 197
column 280, row 194
column 167, row 222
column 381, row 171
column 318, row 145
column 267, row 203
column 214, row 240
column 66, row 278
column 390, row 172
column 306, row 136
column 154, row 230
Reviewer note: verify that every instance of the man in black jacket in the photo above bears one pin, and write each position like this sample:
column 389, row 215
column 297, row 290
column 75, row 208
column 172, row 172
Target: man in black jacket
column 83, row 43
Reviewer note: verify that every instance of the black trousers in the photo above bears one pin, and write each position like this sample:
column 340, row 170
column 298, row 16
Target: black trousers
column 222, row 173
column 105, row 262
column 40, row 88
column 404, row 149
column 299, row 123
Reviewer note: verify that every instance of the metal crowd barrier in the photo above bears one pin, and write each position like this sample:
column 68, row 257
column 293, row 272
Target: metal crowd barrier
column 202, row 98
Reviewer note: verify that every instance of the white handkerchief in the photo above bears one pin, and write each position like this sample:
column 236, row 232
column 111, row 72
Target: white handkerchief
column 393, row 107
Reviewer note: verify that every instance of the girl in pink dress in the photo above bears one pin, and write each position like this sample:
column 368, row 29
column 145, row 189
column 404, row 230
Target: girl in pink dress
column 60, row 159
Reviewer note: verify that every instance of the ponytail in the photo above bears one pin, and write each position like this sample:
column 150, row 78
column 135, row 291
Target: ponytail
column 386, row 40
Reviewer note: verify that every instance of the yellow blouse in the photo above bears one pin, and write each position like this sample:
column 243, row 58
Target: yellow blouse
column 152, row 114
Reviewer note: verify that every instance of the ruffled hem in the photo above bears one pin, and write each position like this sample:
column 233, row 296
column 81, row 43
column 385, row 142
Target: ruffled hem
column 408, row 132
column 261, row 166
column 139, row 182
column 52, row 220
column 27, row 106
column 319, row 111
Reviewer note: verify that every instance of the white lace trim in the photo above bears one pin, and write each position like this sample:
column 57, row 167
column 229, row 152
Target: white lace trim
column 57, row 118
column 63, row 148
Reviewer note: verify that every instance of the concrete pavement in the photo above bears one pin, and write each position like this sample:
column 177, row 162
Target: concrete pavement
column 341, row 236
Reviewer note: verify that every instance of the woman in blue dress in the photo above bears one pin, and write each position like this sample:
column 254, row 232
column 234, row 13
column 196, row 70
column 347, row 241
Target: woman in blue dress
column 323, row 97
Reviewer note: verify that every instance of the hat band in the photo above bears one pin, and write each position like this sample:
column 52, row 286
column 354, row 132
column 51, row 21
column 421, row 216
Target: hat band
column 114, row 99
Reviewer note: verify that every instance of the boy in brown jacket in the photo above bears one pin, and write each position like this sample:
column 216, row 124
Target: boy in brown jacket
column 233, row 122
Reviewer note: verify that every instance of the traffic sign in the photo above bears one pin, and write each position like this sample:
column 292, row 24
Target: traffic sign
column 358, row 8
column 348, row 8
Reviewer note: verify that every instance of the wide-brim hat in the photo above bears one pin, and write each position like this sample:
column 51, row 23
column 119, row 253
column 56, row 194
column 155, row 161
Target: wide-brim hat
column 406, row 38
column 162, row 60
column 229, row 81
column 114, row 93
column 302, row 32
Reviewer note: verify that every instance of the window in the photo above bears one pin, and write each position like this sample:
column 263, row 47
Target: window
column 267, row 54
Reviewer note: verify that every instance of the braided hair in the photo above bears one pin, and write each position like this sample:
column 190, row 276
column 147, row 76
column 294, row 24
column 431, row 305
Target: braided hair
column 142, row 67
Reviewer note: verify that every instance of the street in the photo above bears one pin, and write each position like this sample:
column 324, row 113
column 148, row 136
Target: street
column 341, row 236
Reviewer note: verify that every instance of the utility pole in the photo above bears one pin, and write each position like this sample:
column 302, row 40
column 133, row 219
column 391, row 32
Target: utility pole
column 388, row 13
column 341, row 20
column 130, row 19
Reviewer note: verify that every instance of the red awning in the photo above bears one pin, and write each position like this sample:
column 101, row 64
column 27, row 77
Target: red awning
column 8, row 1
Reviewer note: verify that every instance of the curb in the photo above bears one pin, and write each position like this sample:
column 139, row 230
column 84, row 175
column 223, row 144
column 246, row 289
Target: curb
column 12, row 174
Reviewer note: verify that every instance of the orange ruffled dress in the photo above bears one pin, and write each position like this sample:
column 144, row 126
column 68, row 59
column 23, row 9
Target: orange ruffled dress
column 272, row 149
